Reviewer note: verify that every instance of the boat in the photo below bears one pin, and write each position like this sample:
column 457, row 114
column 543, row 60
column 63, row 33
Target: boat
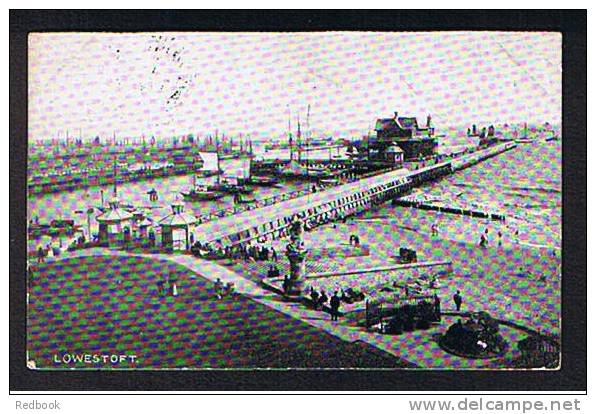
column 238, row 199
column 525, row 139
column 552, row 138
column 201, row 193
column 128, row 207
column 53, row 229
column 233, row 188
column 329, row 181
column 230, row 185
column 263, row 181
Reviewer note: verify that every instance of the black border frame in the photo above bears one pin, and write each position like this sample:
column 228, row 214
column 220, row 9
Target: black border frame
column 571, row 376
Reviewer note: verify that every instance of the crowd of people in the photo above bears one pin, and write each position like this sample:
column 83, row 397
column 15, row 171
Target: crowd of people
column 273, row 271
column 320, row 300
column 43, row 252
column 250, row 252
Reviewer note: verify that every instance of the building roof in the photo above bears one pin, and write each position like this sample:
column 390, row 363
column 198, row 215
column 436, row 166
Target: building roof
column 178, row 218
column 409, row 122
column 114, row 214
column 385, row 123
column 402, row 122
column 145, row 223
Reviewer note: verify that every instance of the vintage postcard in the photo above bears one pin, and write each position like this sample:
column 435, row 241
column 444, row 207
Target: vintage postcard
column 356, row 200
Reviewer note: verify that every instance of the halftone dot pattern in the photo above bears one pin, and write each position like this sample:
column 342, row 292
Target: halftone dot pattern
column 179, row 83
column 103, row 305
column 169, row 85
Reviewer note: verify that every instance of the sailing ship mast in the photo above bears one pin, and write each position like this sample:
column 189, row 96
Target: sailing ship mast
column 291, row 144
column 298, row 139
column 194, row 172
column 217, row 156
column 114, row 176
column 308, row 134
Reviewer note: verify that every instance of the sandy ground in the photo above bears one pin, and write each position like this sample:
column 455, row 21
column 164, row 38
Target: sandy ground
column 516, row 281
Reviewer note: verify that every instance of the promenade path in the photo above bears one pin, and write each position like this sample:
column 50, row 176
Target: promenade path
column 418, row 347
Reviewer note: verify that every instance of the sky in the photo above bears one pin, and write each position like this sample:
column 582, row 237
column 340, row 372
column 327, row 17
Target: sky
column 165, row 84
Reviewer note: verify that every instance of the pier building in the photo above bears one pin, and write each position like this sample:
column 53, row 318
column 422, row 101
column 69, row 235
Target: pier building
column 415, row 140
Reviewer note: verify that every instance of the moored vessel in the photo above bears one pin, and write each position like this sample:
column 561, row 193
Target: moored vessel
column 53, row 229
column 201, row 193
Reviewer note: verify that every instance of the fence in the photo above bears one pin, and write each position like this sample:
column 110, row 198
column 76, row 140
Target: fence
column 376, row 310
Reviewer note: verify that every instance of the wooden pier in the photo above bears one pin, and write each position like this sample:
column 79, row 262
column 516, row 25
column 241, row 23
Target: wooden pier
column 273, row 221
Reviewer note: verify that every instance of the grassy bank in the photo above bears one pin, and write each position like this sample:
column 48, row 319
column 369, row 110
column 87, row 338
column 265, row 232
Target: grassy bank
column 111, row 305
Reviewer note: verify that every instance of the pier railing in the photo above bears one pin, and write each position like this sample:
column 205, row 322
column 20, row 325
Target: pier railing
column 263, row 202
column 268, row 201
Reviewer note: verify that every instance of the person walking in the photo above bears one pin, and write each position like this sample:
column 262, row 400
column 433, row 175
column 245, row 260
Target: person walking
column 314, row 296
column 457, row 299
column 40, row 254
column 482, row 241
column 218, row 288
column 286, row 285
column 334, row 303
column 437, row 308
column 160, row 287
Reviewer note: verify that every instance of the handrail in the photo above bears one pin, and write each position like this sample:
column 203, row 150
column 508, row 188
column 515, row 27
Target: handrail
column 264, row 202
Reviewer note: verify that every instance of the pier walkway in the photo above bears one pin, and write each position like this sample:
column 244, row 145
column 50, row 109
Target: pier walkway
column 273, row 221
